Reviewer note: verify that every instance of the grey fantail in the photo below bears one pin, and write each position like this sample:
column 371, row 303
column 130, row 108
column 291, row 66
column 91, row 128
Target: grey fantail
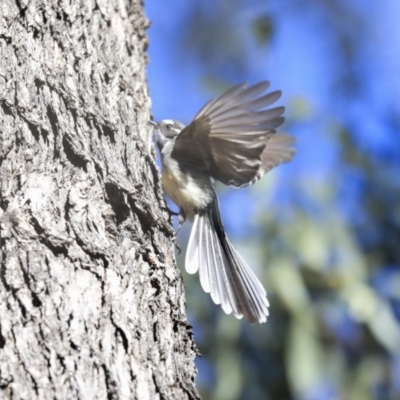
column 231, row 139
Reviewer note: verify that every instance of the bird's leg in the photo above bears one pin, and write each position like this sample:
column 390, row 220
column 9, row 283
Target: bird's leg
column 181, row 220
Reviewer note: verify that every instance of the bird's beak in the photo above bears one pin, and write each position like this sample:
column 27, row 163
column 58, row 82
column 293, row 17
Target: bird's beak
column 154, row 124
column 160, row 139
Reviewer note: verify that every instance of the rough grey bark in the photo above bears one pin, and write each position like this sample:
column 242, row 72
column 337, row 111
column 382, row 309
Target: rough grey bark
column 91, row 303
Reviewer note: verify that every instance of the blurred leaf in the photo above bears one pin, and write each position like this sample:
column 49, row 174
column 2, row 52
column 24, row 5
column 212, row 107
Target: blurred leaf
column 290, row 286
column 263, row 29
column 366, row 373
column 230, row 382
column 386, row 328
column 304, row 355
column 300, row 108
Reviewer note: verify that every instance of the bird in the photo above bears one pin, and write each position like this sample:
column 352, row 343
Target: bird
column 232, row 139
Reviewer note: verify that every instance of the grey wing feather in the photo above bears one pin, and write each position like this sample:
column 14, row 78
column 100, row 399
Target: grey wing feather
column 279, row 149
column 229, row 136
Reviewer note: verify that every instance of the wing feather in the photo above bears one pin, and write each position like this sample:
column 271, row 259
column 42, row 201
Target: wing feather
column 230, row 136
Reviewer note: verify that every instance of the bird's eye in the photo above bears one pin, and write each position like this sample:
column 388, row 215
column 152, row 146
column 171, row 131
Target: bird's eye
column 168, row 126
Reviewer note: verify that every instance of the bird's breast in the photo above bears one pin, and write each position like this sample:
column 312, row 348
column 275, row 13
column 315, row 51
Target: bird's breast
column 186, row 191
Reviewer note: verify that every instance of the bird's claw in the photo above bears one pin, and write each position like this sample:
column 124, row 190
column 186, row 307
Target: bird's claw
column 171, row 212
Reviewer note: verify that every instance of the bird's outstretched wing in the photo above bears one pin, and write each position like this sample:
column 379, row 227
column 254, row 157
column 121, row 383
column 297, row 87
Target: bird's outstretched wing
column 233, row 137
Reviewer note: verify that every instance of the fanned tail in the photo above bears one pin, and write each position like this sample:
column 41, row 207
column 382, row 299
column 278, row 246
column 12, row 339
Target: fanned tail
column 223, row 272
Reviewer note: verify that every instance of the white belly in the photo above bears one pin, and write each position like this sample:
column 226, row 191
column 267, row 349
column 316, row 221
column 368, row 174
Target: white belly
column 185, row 192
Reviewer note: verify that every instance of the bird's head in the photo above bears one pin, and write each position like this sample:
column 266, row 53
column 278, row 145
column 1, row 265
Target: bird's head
column 166, row 130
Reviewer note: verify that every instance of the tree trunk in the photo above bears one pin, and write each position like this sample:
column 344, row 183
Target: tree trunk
column 91, row 302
